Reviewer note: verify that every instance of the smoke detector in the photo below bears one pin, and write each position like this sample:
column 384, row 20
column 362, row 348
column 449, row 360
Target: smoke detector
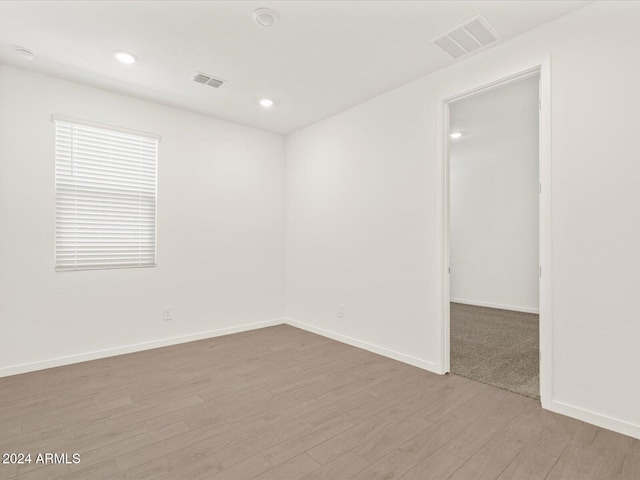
column 209, row 80
column 471, row 36
column 25, row 54
column 265, row 17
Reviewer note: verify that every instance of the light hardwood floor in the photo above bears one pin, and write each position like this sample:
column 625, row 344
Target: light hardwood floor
column 283, row 404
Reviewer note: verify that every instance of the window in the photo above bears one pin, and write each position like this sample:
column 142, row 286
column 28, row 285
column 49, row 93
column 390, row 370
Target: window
column 105, row 197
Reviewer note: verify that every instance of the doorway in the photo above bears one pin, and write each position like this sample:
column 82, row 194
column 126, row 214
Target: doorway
column 495, row 233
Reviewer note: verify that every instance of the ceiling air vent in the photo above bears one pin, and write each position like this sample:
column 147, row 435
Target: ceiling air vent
column 469, row 37
column 205, row 79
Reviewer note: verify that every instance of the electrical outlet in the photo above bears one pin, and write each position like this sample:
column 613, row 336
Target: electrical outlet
column 340, row 310
column 167, row 313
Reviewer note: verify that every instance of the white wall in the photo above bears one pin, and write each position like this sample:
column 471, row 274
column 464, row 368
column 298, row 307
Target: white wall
column 361, row 218
column 220, row 230
column 494, row 198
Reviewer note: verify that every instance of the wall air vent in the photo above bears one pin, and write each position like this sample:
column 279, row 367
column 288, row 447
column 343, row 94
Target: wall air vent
column 473, row 35
column 205, row 79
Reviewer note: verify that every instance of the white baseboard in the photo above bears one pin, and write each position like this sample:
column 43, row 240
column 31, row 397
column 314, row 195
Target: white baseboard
column 385, row 352
column 112, row 352
column 495, row 305
column 604, row 421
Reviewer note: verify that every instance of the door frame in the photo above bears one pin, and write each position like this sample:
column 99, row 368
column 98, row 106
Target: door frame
column 543, row 69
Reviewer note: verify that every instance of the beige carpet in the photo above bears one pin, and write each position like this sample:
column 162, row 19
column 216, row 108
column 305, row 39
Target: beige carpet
column 497, row 347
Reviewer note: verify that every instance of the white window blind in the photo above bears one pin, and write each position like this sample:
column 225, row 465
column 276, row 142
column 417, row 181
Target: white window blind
column 105, row 197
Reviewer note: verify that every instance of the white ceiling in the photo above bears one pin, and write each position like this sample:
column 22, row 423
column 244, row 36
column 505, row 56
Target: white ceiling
column 323, row 57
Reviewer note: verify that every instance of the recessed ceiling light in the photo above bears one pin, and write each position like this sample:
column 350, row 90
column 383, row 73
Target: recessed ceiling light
column 455, row 135
column 125, row 57
column 265, row 17
column 266, row 102
column 25, row 54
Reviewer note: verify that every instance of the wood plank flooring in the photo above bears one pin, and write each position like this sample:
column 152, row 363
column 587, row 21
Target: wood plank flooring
column 284, row 404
